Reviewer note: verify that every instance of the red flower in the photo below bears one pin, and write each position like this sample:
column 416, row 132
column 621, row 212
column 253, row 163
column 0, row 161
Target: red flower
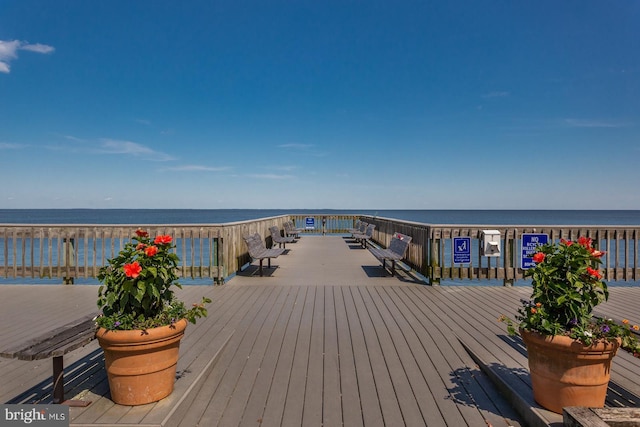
column 594, row 273
column 585, row 241
column 162, row 240
column 566, row 242
column 140, row 246
column 151, row 250
column 538, row 257
column 132, row 270
column 596, row 253
column 141, row 233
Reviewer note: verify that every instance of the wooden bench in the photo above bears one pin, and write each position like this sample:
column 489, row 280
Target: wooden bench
column 280, row 239
column 257, row 250
column 56, row 344
column 363, row 238
column 395, row 252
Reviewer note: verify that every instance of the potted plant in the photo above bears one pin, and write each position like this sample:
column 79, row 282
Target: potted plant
column 142, row 321
column 569, row 350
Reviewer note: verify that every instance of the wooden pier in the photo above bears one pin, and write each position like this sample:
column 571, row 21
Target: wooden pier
column 324, row 338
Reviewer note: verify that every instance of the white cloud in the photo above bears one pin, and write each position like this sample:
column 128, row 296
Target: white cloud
column 271, row 176
column 582, row 123
column 8, row 146
column 38, row 47
column 284, row 168
column 73, row 138
column 113, row 146
column 197, row 168
column 296, row 146
column 9, row 52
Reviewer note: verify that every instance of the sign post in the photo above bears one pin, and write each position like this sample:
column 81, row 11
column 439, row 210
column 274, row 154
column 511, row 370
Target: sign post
column 530, row 242
column 310, row 223
column 462, row 250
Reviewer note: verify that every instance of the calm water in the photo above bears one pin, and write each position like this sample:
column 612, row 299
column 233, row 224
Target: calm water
column 217, row 216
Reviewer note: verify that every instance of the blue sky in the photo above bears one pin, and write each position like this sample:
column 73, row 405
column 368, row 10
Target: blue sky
column 306, row 104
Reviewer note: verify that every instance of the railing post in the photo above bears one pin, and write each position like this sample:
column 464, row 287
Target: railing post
column 69, row 259
column 434, row 244
column 509, row 258
column 220, row 259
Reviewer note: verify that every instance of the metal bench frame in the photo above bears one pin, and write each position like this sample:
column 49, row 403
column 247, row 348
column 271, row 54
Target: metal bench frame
column 280, row 239
column 257, row 250
column 363, row 238
column 395, row 252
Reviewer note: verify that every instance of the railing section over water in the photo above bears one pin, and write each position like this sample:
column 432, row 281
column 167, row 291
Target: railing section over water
column 216, row 251
column 432, row 249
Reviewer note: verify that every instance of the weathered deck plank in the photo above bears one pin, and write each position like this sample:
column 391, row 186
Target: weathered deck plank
column 324, row 340
column 350, row 407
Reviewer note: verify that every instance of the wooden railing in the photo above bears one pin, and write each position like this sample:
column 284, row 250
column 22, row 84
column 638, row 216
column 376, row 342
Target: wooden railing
column 78, row 251
column 432, row 248
column 217, row 251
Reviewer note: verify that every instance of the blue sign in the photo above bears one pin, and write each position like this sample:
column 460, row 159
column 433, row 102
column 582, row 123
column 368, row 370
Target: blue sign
column 530, row 243
column 462, row 250
column 309, row 223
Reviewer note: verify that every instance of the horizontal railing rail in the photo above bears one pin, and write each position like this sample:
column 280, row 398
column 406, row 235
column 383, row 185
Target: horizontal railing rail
column 217, row 251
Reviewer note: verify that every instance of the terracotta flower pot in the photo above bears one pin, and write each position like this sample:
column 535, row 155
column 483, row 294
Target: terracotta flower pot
column 565, row 372
column 141, row 365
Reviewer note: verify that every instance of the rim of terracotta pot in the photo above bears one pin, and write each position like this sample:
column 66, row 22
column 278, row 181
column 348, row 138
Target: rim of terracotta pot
column 118, row 336
column 572, row 345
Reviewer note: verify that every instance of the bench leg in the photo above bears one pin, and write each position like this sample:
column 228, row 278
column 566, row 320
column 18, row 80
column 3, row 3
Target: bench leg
column 261, row 267
column 58, row 380
column 393, row 267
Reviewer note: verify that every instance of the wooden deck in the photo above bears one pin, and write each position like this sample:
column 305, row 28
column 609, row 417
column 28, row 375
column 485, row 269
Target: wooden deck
column 324, row 338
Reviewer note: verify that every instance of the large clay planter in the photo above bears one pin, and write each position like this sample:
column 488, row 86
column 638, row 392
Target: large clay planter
column 141, row 365
column 565, row 372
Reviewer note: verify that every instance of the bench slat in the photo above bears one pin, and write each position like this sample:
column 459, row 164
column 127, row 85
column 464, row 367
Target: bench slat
column 71, row 336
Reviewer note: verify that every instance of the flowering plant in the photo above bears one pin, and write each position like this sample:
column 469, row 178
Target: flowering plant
column 136, row 290
column 567, row 285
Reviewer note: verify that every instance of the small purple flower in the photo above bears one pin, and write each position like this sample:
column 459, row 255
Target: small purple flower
column 117, row 323
column 605, row 329
column 573, row 322
column 173, row 321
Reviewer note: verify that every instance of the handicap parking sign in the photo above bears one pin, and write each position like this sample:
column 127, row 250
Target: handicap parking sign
column 461, row 250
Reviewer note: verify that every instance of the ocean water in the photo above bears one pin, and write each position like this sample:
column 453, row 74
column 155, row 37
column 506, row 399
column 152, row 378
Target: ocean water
column 218, row 216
